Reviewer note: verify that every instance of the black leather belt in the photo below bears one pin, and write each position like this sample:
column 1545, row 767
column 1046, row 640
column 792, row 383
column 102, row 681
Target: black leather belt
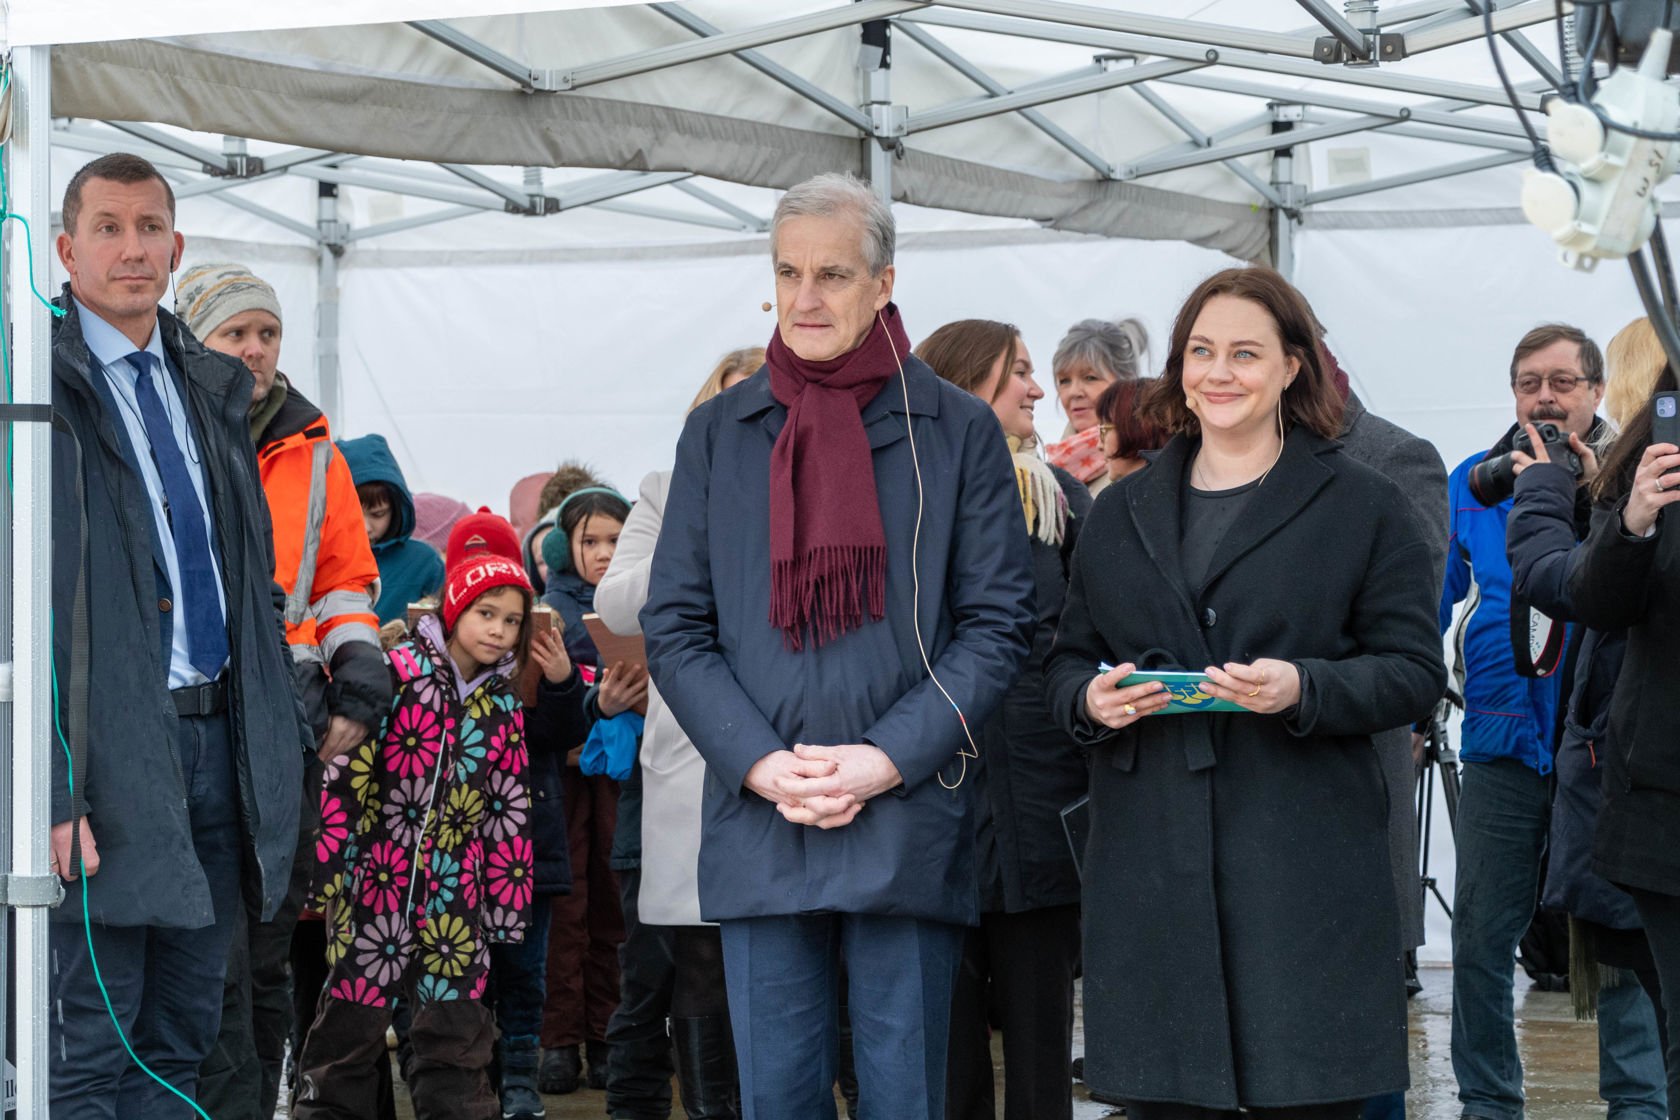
column 200, row 699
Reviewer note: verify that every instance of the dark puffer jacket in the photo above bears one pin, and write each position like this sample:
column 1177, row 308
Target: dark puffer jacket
column 1541, row 538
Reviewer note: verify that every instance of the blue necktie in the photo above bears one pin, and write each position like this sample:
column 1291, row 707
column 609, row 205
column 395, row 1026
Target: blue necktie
column 206, row 629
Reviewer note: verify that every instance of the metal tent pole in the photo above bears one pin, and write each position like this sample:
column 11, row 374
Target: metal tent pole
column 29, row 888
column 333, row 240
column 888, row 123
column 1284, row 119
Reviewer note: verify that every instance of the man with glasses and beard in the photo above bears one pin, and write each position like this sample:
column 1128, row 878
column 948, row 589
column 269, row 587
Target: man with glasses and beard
column 1511, row 720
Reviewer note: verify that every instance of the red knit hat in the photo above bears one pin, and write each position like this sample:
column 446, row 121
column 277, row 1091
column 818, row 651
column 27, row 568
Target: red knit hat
column 483, row 555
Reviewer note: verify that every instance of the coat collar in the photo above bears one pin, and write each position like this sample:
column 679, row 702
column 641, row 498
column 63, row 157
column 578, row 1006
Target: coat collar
column 1156, row 501
column 753, row 401
column 212, row 378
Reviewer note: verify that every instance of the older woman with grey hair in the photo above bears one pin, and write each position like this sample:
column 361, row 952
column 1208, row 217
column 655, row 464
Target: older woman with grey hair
column 1092, row 355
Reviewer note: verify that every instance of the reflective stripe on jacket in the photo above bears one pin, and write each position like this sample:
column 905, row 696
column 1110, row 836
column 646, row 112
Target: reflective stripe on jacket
column 322, row 558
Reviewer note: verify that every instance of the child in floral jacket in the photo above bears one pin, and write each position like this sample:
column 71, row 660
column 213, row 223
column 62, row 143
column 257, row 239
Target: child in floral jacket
column 424, row 858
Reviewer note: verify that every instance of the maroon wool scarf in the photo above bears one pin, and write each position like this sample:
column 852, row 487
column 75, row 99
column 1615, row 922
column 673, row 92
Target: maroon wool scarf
column 828, row 552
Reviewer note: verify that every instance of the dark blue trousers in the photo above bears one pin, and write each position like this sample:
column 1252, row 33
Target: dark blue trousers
column 782, row 975
column 165, row 985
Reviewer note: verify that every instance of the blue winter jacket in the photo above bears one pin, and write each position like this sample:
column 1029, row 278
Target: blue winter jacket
column 409, row 570
column 1505, row 715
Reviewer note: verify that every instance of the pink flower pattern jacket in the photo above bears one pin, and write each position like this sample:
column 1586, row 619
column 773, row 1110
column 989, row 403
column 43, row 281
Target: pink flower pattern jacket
column 424, row 856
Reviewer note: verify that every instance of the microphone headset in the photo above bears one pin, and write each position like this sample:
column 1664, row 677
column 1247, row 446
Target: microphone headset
column 973, row 751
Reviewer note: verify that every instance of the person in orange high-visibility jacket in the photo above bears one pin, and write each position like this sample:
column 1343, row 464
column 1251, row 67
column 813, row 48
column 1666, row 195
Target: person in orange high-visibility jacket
column 325, row 565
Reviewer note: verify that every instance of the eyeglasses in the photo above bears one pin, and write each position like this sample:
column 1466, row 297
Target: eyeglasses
column 1562, row 383
column 1104, row 430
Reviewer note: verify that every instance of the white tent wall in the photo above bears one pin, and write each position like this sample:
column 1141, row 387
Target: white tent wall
column 484, row 373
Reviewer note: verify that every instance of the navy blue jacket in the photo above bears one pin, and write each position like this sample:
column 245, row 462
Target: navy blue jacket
column 1506, row 715
column 135, row 796
column 409, row 570
column 730, row 680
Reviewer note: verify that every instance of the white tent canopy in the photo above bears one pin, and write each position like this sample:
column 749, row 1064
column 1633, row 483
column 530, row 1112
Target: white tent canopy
column 532, row 226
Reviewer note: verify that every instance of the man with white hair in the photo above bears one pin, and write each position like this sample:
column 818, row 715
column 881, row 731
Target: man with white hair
column 841, row 589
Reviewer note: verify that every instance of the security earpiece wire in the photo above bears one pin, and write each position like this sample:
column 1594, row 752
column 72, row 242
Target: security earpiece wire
column 973, row 750
column 74, row 744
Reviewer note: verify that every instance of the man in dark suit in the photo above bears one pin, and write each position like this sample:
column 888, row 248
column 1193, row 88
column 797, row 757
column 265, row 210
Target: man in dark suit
column 184, row 793
column 1415, row 465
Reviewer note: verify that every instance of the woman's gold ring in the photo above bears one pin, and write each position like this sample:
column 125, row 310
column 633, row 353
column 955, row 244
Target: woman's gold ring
column 1256, row 691
column 1129, row 710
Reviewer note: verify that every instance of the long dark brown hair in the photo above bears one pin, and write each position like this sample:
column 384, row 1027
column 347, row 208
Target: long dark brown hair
column 1311, row 399
column 1615, row 475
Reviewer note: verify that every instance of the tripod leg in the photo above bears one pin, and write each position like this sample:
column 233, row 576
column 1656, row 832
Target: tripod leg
column 1449, row 787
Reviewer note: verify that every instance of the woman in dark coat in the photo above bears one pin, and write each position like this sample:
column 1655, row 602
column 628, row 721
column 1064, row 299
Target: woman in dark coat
column 1542, row 534
column 1026, row 948
column 1241, row 941
column 1627, row 578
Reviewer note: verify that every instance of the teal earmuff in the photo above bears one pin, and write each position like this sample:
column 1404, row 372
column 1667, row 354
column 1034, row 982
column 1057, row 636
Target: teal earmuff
column 563, row 545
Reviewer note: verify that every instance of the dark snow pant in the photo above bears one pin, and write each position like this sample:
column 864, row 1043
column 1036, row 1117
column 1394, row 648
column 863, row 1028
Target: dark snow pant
column 155, row 976
column 587, row 924
column 1019, row 967
column 639, row 1047
column 449, row 1078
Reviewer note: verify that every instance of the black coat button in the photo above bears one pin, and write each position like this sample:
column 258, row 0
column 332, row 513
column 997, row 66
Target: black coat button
column 1209, row 617
column 165, row 606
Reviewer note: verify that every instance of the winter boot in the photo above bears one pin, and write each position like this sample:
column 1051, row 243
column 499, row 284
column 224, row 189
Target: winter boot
column 562, row 1071
column 597, row 1052
column 520, row 1100
column 706, row 1071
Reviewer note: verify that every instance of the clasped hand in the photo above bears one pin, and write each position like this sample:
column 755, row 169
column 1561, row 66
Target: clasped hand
column 825, row 787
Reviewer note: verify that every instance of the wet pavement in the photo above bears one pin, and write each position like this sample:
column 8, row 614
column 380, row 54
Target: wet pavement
column 1560, row 1057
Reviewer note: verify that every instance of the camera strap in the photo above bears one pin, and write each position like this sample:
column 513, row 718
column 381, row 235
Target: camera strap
column 1537, row 640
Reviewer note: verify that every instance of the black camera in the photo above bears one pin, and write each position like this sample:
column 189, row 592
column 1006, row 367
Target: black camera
column 1493, row 479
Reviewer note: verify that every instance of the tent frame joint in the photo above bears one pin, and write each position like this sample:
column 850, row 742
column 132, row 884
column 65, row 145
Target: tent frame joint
column 1387, row 46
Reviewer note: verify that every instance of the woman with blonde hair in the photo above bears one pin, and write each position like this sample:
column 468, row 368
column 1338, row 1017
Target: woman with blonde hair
column 735, row 366
column 673, row 774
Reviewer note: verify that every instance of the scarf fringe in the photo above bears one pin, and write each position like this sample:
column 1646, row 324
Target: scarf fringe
column 1587, row 977
column 827, row 591
column 1042, row 500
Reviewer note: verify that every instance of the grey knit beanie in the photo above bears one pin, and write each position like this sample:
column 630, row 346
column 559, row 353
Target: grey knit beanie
column 208, row 295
